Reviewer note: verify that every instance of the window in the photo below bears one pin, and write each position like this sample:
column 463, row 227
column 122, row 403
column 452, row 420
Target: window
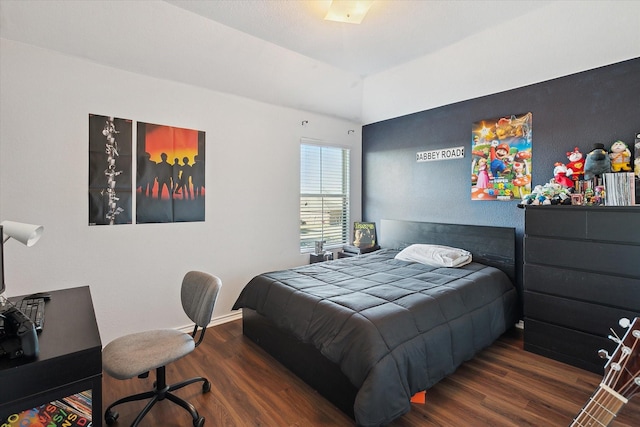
column 324, row 195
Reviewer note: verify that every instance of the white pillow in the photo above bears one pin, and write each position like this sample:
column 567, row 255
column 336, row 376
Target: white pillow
column 435, row 255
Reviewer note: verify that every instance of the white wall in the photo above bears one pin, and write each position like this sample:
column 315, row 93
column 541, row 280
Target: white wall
column 563, row 38
column 156, row 38
column 134, row 271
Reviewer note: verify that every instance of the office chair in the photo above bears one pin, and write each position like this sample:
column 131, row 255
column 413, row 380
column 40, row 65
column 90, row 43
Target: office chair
column 137, row 354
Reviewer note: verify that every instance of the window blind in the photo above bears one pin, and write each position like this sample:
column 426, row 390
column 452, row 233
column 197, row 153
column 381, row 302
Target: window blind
column 324, row 195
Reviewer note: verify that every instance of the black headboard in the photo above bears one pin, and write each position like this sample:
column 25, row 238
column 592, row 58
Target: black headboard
column 494, row 246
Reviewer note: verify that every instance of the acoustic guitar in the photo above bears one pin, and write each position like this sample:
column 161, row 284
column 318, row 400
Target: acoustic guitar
column 621, row 380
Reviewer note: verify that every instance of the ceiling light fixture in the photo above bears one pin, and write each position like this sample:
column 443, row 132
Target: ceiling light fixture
column 351, row 12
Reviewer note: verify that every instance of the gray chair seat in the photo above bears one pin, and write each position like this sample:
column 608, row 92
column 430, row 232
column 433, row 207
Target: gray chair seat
column 132, row 355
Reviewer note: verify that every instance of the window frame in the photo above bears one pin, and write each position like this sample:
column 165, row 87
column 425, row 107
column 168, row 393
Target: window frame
column 327, row 221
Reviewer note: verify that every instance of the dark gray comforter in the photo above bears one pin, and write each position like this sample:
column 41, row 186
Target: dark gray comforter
column 394, row 327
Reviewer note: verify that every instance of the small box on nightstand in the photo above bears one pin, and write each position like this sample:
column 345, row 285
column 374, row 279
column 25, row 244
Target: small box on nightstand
column 343, row 254
column 327, row 256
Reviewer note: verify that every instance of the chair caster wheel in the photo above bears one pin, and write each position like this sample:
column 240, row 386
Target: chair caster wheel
column 110, row 417
column 206, row 387
column 199, row 422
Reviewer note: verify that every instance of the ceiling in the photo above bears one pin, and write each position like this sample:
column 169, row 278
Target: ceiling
column 392, row 33
column 280, row 52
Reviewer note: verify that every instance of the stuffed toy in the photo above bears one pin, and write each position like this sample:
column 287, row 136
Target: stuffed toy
column 550, row 193
column 560, row 173
column 636, row 162
column 620, row 157
column 576, row 164
column 597, row 162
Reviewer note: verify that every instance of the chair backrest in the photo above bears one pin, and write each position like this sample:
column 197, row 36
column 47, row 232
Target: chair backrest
column 199, row 293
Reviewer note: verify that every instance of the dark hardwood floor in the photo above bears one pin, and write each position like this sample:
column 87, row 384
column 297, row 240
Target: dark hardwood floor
column 502, row 386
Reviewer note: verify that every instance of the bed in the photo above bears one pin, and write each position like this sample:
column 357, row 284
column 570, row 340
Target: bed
column 368, row 332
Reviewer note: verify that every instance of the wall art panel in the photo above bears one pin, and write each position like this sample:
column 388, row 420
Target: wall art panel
column 170, row 177
column 110, row 170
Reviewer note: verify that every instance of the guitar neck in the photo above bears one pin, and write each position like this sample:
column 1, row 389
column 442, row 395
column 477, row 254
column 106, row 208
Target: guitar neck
column 621, row 380
column 601, row 409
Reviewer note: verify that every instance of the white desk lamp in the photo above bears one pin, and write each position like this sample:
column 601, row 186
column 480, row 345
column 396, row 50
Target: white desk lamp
column 27, row 234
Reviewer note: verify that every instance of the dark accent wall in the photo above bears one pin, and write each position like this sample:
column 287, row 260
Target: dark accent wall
column 595, row 106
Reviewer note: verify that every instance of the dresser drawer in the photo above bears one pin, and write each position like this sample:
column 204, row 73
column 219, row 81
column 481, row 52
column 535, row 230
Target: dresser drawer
column 566, row 345
column 615, row 291
column 582, row 316
column 556, row 222
column 626, row 228
column 616, row 259
column 612, row 224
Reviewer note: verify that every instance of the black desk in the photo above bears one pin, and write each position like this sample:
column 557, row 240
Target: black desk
column 70, row 359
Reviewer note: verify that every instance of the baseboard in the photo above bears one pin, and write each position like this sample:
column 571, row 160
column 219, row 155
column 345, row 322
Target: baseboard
column 236, row 315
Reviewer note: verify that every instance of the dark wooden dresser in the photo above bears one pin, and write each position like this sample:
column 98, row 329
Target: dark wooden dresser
column 581, row 275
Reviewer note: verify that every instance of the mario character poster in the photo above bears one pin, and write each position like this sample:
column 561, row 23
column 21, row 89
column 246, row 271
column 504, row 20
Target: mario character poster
column 501, row 158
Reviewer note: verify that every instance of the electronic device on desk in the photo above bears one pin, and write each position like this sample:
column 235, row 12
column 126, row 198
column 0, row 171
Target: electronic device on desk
column 18, row 335
column 33, row 307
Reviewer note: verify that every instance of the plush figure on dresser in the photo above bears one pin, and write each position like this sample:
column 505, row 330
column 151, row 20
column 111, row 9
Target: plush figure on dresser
column 636, row 162
column 620, row 157
column 597, row 163
column 550, row 193
column 576, row 164
column 560, row 173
